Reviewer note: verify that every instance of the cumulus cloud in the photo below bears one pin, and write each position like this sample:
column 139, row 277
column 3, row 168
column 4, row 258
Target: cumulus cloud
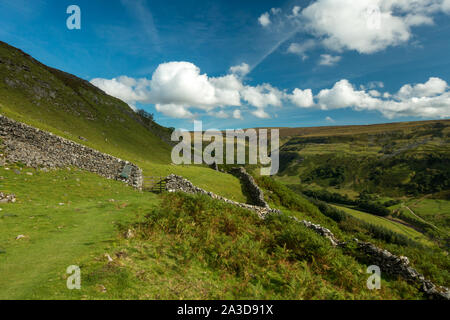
column 275, row 10
column 432, row 87
column 264, row 19
column 220, row 114
column 124, row 88
column 430, row 99
column 174, row 111
column 262, row 96
column 328, row 60
column 302, row 98
column 375, row 84
column 240, row 70
column 368, row 26
column 374, row 93
column 260, row 113
column 176, row 88
column 301, row 48
column 344, row 95
column 237, row 114
column 365, row 26
column 182, row 83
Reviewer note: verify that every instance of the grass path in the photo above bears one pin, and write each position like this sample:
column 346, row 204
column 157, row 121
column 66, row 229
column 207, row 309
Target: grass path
column 415, row 215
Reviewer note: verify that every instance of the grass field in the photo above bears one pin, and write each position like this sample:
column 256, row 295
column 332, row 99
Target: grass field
column 65, row 216
column 434, row 211
column 388, row 224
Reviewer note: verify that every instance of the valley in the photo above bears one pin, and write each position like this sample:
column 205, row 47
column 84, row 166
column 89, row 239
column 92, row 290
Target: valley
column 369, row 183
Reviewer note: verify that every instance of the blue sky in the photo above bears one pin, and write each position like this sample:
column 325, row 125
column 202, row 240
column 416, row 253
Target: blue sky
column 302, row 63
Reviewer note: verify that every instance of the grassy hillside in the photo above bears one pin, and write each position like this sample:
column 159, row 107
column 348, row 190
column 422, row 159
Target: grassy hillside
column 66, row 216
column 73, row 108
column 181, row 246
column 403, row 159
column 401, row 162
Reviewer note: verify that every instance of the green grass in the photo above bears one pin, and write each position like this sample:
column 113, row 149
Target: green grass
column 388, row 224
column 434, row 211
column 193, row 247
column 66, row 217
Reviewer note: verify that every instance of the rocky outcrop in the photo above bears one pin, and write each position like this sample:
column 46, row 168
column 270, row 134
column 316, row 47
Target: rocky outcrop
column 176, row 183
column 400, row 266
column 5, row 198
column 37, row 148
column 255, row 193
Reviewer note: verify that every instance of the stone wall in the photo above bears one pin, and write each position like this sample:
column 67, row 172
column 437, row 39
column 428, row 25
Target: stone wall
column 255, row 193
column 399, row 266
column 37, row 148
column 176, row 183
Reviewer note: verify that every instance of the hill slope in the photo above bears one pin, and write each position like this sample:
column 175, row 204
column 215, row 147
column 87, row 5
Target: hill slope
column 73, row 108
column 397, row 159
column 131, row 244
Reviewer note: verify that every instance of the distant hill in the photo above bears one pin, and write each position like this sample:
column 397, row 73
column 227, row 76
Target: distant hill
column 286, row 132
column 395, row 158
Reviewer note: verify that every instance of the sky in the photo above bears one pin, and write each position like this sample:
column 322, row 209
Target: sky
column 241, row 64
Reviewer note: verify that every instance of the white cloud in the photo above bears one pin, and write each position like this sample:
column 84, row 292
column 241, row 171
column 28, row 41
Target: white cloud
column 262, row 96
column 260, row 113
column 375, row 84
column 237, row 114
column 240, row 70
column 264, row 19
column 275, row 10
column 174, row 111
column 124, row 88
column 343, row 95
column 220, row 114
column 296, row 10
column 430, row 88
column 302, row 98
column 178, row 87
column 446, row 6
column 181, row 83
column 429, row 99
column 328, row 60
column 368, row 26
column 330, row 119
column 301, row 48
column 374, row 93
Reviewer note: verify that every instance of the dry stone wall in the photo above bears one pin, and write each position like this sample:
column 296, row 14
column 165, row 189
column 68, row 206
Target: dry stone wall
column 37, row 148
column 255, row 193
column 176, row 183
column 400, row 266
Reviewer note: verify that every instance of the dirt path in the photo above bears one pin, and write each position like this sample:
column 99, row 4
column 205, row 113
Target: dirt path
column 420, row 218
